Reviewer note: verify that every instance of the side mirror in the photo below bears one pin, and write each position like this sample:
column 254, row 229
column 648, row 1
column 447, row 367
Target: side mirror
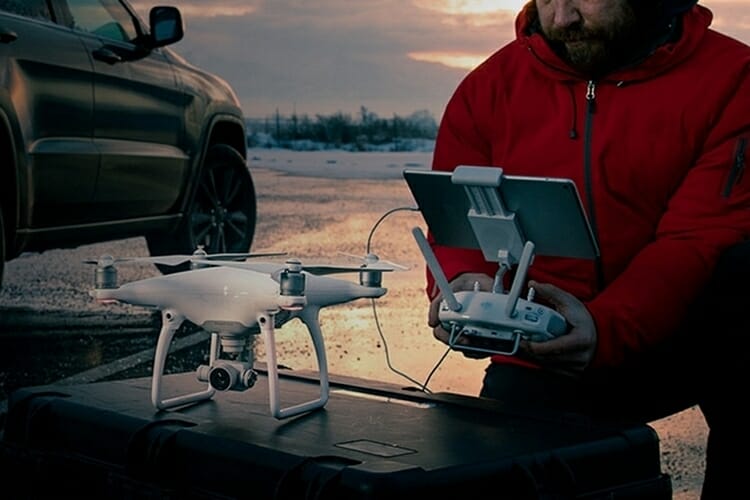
column 166, row 26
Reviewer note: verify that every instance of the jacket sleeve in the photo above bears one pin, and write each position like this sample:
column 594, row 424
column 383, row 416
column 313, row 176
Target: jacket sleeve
column 709, row 212
column 459, row 142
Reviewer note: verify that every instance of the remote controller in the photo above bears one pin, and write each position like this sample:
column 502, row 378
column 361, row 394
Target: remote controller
column 482, row 314
column 492, row 317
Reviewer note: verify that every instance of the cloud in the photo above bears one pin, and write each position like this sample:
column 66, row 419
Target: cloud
column 731, row 17
column 461, row 60
column 470, row 7
column 323, row 56
column 473, row 13
column 195, row 8
column 333, row 55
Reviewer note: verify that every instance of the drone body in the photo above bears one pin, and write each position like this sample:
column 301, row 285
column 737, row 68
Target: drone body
column 228, row 300
column 235, row 301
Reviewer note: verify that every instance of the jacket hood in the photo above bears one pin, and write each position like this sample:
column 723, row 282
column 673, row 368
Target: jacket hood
column 669, row 8
column 695, row 20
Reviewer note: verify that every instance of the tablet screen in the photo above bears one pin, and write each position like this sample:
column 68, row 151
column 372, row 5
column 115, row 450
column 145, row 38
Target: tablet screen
column 549, row 212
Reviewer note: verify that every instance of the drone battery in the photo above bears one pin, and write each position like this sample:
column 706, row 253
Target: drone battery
column 371, row 441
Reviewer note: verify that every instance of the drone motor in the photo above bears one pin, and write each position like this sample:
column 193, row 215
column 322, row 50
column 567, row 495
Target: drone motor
column 292, row 286
column 199, row 253
column 291, row 279
column 106, row 273
column 373, row 279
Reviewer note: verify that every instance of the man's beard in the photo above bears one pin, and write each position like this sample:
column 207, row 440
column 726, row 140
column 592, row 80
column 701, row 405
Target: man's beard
column 594, row 50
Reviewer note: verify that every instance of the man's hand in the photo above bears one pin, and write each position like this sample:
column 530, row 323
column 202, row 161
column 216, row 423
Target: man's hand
column 464, row 282
column 572, row 352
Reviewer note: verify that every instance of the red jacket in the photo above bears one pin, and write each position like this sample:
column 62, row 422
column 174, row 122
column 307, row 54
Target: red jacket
column 657, row 152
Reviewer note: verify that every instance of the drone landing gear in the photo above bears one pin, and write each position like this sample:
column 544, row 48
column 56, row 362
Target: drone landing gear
column 309, row 317
column 171, row 321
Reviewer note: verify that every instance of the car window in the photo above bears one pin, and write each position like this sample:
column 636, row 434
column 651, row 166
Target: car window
column 105, row 18
column 35, row 9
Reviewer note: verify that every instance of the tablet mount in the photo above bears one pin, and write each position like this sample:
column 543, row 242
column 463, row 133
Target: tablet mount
column 495, row 320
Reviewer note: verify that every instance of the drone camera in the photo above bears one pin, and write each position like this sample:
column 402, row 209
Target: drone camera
column 228, row 375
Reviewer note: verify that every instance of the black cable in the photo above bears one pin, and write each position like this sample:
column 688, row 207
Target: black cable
column 434, row 369
column 422, row 386
column 382, row 218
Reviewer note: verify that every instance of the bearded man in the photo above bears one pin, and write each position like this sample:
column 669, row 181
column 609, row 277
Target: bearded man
column 647, row 109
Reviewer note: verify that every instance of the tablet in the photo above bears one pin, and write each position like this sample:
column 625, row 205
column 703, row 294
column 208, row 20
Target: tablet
column 549, row 212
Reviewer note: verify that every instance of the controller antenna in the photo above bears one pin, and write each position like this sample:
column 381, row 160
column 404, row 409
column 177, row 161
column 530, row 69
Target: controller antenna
column 436, row 270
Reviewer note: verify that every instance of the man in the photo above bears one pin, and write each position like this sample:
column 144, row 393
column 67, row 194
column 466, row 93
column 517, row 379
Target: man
column 647, row 109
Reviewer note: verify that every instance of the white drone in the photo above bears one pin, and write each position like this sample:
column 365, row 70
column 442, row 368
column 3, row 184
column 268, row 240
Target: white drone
column 234, row 300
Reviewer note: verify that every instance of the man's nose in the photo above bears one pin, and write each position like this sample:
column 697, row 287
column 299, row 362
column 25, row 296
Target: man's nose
column 565, row 13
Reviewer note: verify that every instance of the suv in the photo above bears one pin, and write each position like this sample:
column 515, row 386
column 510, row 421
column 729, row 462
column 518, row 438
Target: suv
column 106, row 134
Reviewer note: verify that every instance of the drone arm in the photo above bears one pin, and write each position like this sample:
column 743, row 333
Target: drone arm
column 171, row 321
column 310, row 317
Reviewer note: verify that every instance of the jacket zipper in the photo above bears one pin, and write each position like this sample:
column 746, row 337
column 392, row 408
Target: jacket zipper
column 590, row 112
column 738, row 168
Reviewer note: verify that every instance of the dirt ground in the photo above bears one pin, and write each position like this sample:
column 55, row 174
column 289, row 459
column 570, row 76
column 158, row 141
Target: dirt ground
column 318, row 219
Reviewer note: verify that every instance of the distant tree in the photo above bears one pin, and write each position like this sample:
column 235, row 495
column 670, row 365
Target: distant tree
column 340, row 130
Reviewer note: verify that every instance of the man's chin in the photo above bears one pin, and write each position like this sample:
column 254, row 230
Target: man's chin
column 585, row 55
column 579, row 45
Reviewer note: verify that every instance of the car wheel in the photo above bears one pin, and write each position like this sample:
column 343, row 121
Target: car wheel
column 223, row 214
column 2, row 247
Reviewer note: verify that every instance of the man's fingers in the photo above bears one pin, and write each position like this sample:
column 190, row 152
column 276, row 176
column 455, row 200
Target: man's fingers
column 432, row 314
column 556, row 297
column 440, row 334
column 556, row 347
column 569, row 357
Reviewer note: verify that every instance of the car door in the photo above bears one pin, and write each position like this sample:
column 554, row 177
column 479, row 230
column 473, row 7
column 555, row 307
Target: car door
column 46, row 88
column 138, row 113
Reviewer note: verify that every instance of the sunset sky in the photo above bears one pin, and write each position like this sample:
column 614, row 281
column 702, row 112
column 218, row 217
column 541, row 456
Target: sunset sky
column 324, row 56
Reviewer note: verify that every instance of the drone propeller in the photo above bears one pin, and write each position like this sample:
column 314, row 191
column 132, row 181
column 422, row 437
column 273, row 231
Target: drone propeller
column 176, row 260
column 104, row 261
column 106, row 273
column 323, row 269
column 296, row 265
column 372, row 262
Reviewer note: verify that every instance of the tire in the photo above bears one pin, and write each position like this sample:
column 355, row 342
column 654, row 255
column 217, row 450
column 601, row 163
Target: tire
column 222, row 215
column 2, row 247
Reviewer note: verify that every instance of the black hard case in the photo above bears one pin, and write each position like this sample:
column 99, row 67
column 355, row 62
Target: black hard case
column 371, row 441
